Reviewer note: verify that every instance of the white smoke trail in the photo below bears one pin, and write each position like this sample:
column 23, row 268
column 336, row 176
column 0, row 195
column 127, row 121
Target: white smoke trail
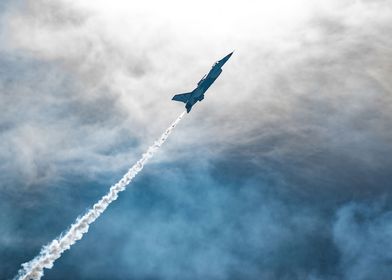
column 34, row 269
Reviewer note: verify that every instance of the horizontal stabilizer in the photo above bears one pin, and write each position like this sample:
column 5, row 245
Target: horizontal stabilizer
column 183, row 97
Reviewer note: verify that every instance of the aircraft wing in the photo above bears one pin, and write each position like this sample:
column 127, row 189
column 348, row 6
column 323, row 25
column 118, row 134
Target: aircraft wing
column 184, row 97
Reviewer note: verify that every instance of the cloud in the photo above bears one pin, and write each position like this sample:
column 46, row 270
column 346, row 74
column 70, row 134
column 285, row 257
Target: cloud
column 363, row 233
column 297, row 126
column 177, row 223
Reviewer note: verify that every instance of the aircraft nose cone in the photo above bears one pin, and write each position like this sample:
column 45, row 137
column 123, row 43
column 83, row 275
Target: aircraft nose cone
column 229, row 55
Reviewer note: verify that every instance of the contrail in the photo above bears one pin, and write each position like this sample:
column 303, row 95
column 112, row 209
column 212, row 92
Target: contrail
column 34, row 269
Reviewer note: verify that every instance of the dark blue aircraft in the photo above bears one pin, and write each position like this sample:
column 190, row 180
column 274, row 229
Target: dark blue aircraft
column 190, row 98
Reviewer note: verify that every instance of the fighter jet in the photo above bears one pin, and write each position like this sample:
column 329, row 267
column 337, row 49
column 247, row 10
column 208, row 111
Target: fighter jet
column 190, row 98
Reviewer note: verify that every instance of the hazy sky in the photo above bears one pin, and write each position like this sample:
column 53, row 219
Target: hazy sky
column 282, row 172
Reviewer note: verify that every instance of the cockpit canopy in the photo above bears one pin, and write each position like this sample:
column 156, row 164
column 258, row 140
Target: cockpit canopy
column 202, row 79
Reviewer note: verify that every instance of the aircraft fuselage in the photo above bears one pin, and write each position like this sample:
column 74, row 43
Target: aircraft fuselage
column 190, row 98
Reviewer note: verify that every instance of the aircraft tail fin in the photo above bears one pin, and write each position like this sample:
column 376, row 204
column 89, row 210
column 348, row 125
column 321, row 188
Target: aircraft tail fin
column 183, row 97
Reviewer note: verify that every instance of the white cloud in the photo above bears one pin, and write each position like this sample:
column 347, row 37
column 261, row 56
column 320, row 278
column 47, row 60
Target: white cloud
column 121, row 63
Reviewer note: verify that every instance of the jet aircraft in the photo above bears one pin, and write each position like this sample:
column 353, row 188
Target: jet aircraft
column 190, row 98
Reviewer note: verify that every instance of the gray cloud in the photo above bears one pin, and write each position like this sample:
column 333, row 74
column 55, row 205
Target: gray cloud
column 190, row 226
column 250, row 185
column 362, row 234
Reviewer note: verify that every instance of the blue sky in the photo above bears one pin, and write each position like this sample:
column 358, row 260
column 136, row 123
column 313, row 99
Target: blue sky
column 282, row 172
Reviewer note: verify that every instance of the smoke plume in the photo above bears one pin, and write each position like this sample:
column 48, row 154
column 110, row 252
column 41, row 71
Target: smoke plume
column 51, row 252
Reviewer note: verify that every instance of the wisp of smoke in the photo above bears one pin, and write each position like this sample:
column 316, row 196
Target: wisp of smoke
column 51, row 252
